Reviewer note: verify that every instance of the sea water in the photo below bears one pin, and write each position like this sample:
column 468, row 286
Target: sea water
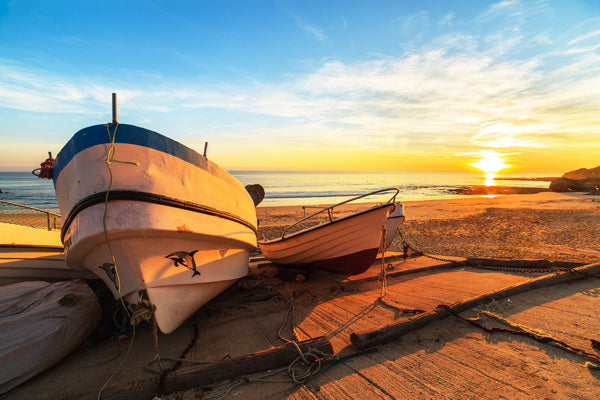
column 300, row 188
column 306, row 188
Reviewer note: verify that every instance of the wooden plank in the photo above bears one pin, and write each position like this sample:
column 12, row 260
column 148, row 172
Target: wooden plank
column 188, row 378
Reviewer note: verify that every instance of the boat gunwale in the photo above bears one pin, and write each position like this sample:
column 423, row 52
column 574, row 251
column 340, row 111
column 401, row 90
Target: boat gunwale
column 127, row 134
column 323, row 225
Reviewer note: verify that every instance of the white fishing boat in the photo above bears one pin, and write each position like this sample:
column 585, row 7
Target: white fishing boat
column 32, row 253
column 153, row 218
column 346, row 245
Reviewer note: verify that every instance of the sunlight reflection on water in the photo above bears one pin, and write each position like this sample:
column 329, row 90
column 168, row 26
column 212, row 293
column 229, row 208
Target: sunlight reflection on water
column 489, row 179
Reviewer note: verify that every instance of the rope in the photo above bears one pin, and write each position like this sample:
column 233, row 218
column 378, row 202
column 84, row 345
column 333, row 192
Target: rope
column 181, row 359
column 300, row 370
column 111, row 359
column 354, row 318
column 289, row 315
column 401, row 309
column 301, row 373
column 118, row 366
column 384, row 282
column 140, row 312
column 245, row 379
column 384, row 277
column 108, row 161
column 406, row 245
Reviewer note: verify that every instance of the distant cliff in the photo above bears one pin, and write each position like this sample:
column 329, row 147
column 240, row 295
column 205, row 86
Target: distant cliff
column 580, row 180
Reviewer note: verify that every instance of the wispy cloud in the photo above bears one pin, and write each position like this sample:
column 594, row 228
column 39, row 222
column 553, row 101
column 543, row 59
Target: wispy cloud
column 447, row 20
column 310, row 29
column 518, row 10
column 457, row 91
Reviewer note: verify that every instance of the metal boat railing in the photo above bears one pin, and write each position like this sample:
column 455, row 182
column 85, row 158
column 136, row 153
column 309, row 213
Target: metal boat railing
column 19, row 214
column 329, row 209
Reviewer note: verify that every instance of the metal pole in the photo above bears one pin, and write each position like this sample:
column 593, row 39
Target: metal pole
column 205, row 146
column 114, row 109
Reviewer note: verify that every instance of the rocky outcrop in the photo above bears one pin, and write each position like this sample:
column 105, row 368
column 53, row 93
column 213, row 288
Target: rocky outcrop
column 583, row 173
column 580, row 180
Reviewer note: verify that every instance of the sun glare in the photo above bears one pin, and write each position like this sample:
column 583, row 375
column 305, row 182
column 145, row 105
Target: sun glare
column 491, row 162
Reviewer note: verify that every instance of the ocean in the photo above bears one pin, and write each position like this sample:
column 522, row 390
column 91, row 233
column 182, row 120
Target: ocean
column 301, row 188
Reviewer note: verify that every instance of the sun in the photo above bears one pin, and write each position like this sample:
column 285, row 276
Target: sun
column 491, row 161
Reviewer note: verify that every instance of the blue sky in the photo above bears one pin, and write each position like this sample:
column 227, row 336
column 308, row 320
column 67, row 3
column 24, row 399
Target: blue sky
column 326, row 85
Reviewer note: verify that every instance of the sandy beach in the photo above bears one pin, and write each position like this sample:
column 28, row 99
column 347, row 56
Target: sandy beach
column 546, row 225
column 445, row 359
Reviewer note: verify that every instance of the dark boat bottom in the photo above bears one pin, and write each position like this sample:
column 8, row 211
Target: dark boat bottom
column 350, row 264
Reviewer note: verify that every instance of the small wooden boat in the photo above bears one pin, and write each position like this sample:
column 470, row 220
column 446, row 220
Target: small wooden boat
column 346, row 245
column 153, row 218
column 41, row 323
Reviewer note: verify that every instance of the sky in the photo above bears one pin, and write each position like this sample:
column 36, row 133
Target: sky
column 310, row 85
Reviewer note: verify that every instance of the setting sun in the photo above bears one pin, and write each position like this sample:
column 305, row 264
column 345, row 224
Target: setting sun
column 491, row 161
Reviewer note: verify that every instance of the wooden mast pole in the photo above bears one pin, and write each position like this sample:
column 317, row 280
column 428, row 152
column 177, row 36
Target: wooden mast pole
column 115, row 116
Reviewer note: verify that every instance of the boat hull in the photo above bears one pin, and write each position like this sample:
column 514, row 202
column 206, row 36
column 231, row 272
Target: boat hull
column 346, row 246
column 162, row 221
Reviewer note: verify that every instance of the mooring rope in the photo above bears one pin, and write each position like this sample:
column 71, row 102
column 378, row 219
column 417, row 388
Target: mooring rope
column 384, row 282
column 407, row 245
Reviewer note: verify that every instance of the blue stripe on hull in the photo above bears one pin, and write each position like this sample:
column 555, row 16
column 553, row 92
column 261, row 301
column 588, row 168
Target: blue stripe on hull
column 130, row 134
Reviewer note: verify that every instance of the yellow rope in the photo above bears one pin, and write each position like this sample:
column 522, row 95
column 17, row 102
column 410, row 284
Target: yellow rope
column 108, row 161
